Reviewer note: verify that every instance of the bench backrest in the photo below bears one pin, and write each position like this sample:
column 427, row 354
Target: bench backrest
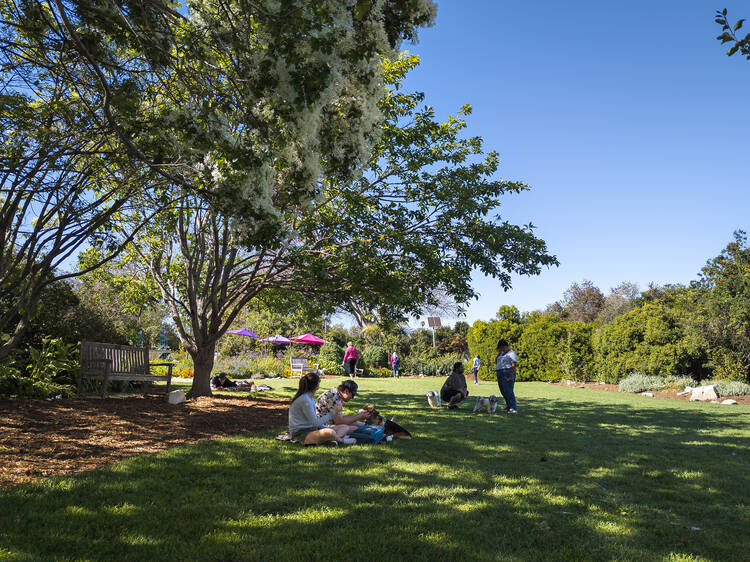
column 124, row 358
column 298, row 363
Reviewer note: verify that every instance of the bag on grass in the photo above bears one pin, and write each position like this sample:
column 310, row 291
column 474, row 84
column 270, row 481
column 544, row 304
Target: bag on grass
column 368, row 434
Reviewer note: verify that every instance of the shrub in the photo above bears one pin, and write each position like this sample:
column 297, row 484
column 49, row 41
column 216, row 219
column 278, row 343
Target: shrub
column 49, row 371
column 379, row 372
column 374, row 355
column 638, row 382
column 552, row 349
column 648, row 339
column 483, row 336
column 331, row 352
column 429, row 367
column 671, row 381
column 246, row 367
column 731, row 388
column 331, row 368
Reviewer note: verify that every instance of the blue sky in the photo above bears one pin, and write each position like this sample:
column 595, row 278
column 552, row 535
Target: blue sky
column 627, row 120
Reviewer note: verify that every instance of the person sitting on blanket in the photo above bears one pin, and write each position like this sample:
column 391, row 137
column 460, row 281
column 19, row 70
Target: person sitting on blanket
column 304, row 425
column 332, row 401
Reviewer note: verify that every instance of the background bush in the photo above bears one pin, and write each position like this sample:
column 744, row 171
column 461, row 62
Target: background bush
column 731, row 388
column 638, row 382
column 482, row 338
column 331, row 352
column 648, row 339
column 552, row 349
column 375, row 355
column 43, row 372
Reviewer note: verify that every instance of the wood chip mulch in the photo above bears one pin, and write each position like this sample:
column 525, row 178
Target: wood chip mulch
column 44, row 438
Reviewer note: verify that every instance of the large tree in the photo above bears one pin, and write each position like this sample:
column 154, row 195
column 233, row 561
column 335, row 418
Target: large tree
column 237, row 101
column 581, row 303
column 421, row 217
column 723, row 303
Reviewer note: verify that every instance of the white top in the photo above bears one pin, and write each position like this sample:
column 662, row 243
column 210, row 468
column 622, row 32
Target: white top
column 506, row 361
column 302, row 414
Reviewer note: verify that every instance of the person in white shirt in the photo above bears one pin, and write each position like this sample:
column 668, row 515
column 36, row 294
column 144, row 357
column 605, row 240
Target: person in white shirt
column 505, row 369
column 304, row 424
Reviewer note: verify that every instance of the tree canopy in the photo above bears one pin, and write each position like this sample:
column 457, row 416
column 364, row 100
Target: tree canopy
column 242, row 103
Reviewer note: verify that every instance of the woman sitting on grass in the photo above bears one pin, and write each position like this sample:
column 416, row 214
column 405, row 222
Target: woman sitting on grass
column 304, row 425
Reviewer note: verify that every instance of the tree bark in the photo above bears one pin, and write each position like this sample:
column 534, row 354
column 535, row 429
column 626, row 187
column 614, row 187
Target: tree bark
column 203, row 364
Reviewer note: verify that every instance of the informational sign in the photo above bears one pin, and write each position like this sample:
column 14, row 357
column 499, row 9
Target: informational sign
column 433, row 321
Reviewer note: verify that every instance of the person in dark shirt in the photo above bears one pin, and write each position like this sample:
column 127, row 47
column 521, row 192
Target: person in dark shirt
column 454, row 388
column 222, row 381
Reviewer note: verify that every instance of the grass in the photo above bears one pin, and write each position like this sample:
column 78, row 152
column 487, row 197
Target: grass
column 577, row 475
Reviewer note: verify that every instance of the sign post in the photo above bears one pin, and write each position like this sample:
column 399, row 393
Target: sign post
column 433, row 322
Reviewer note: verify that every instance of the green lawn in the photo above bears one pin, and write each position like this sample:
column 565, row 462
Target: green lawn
column 578, row 474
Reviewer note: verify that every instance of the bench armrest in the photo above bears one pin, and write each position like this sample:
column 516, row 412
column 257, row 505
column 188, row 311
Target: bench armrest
column 170, row 365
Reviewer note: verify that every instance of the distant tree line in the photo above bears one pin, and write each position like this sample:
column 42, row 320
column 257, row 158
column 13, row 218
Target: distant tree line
column 700, row 330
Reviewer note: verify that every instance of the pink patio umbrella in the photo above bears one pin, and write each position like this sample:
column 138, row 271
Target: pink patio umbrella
column 278, row 338
column 309, row 338
column 243, row 332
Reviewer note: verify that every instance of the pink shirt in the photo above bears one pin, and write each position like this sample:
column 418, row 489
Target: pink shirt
column 351, row 353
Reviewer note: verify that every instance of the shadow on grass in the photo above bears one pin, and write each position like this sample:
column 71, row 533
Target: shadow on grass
column 566, row 479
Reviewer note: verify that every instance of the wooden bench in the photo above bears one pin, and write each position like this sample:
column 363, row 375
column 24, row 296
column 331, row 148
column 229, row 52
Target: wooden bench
column 110, row 362
column 300, row 365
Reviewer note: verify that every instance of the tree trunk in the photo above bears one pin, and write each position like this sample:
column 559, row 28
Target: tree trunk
column 203, row 364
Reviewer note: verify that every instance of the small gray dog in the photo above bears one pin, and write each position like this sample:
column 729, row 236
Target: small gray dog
column 489, row 403
column 433, row 398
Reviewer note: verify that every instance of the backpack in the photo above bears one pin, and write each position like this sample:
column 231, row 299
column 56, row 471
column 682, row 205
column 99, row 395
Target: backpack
column 368, row 434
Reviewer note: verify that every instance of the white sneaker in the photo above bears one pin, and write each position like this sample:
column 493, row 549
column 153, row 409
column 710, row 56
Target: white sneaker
column 512, row 411
column 348, row 441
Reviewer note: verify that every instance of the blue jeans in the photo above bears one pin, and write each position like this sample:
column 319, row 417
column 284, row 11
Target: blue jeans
column 506, row 386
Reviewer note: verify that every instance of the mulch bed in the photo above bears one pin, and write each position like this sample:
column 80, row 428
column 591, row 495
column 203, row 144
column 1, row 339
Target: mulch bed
column 43, row 438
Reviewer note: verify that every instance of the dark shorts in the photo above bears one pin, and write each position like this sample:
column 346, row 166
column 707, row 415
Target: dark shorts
column 447, row 393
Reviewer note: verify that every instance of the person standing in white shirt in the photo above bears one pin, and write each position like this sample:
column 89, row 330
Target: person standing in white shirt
column 505, row 369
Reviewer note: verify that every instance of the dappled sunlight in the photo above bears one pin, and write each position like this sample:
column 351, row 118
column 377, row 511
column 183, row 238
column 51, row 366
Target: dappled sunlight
column 583, row 478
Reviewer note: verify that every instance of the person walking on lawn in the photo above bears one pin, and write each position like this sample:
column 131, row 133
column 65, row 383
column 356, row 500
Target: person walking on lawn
column 475, row 368
column 505, row 369
column 395, row 361
column 351, row 356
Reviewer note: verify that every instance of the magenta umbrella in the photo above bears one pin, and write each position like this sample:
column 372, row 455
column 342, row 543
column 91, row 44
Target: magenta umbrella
column 243, row 332
column 278, row 338
column 309, row 338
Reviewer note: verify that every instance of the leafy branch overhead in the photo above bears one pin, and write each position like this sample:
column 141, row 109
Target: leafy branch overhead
column 729, row 35
column 423, row 216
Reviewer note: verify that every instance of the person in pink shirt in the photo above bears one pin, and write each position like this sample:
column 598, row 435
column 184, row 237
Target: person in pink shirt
column 351, row 356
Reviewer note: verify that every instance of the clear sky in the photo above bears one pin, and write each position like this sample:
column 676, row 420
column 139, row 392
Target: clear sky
column 627, row 120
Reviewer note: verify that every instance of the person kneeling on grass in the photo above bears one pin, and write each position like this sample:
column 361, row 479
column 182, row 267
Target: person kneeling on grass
column 454, row 388
column 304, row 425
column 332, row 401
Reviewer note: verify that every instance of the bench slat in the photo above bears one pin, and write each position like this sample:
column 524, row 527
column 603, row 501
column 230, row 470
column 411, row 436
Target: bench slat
column 118, row 362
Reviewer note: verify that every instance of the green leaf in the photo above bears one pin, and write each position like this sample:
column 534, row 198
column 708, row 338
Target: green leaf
column 738, row 25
